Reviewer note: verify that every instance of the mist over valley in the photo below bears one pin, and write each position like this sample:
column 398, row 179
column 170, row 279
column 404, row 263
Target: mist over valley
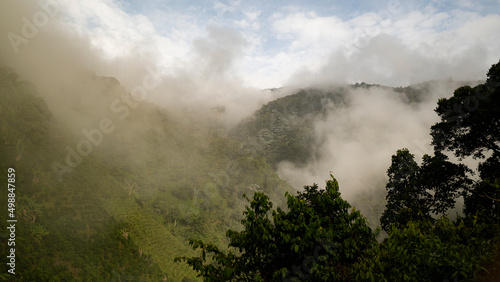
column 183, row 142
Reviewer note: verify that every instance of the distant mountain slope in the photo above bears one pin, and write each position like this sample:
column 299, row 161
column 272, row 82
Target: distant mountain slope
column 307, row 131
column 283, row 129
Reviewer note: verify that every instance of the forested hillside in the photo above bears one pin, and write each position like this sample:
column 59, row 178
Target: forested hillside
column 127, row 208
column 283, row 129
column 118, row 193
column 288, row 129
column 228, row 140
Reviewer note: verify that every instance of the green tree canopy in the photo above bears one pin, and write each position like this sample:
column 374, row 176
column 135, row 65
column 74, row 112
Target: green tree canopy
column 319, row 238
column 470, row 119
column 470, row 126
column 415, row 192
column 425, row 250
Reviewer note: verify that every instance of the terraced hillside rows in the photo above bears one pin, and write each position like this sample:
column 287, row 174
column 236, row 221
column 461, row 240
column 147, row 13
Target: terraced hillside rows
column 150, row 236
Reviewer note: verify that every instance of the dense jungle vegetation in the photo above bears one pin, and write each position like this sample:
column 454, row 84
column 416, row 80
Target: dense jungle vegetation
column 160, row 198
column 127, row 210
column 320, row 238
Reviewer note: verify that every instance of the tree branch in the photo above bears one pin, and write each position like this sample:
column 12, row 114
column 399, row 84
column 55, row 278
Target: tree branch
column 497, row 200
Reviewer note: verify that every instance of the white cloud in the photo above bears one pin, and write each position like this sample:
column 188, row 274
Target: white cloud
column 285, row 40
column 252, row 15
column 407, row 48
column 221, row 7
column 111, row 29
column 358, row 140
column 306, row 30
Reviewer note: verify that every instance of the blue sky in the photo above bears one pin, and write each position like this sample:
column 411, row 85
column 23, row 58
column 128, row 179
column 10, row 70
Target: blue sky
column 280, row 40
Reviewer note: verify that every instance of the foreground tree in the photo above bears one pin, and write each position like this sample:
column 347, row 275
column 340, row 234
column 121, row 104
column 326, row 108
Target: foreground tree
column 470, row 126
column 424, row 247
column 317, row 239
column 415, row 193
column 470, row 119
column 484, row 198
column 431, row 250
